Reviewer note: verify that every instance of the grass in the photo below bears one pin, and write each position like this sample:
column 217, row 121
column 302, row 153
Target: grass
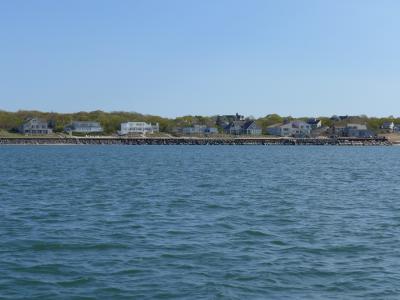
column 7, row 134
column 4, row 133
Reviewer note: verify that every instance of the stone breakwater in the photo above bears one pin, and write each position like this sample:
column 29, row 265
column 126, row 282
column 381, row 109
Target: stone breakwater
column 195, row 141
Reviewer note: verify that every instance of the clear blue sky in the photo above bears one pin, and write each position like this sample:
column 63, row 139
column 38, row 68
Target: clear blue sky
column 205, row 57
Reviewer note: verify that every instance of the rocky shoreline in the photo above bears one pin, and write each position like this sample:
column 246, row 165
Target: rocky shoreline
column 381, row 141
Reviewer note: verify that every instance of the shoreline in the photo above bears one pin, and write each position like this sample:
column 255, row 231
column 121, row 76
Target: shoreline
column 379, row 141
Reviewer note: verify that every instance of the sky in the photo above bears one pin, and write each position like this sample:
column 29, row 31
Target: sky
column 201, row 57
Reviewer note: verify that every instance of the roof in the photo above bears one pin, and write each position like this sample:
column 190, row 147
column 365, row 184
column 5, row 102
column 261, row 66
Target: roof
column 249, row 123
column 313, row 121
column 34, row 119
column 236, row 124
column 244, row 124
column 291, row 124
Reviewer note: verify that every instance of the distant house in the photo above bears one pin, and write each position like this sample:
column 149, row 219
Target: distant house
column 211, row 130
column 138, row 127
column 35, row 126
column 389, row 126
column 235, row 127
column 357, row 130
column 225, row 120
column 291, row 129
column 247, row 127
column 335, row 118
column 320, row 131
column 314, row 123
column 199, row 129
column 341, row 118
column 337, row 130
column 83, row 127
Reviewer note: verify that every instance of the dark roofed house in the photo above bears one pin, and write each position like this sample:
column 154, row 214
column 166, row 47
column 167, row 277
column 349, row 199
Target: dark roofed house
column 234, row 127
column 251, row 127
column 35, row 126
column 225, row 120
column 389, row 126
column 248, row 127
column 314, row 123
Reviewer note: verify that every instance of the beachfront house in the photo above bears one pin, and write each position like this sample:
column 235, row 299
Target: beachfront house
column 357, row 131
column 199, row 129
column 138, row 127
column 290, row 129
column 246, row 127
column 35, row 126
column 388, row 126
column 314, row 123
column 83, row 127
column 337, row 130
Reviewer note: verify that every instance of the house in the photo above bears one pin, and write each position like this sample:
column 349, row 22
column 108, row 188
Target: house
column 341, row 118
column 199, row 129
column 292, row 129
column 357, row 130
column 248, row 127
column 35, row 126
column 235, row 127
column 314, row 123
column 211, row 130
column 389, row 126
column 320, row 131
column 83, row 127
column 138, row 127
column 337, row 130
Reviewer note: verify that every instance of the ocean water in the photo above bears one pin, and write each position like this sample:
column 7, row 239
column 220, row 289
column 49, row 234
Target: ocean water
column 199, row 222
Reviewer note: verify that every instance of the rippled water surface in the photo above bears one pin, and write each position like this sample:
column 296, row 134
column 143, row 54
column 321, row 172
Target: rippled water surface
column 207, row 222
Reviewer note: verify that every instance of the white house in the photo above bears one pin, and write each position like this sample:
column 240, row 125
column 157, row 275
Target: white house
column 294, row 128
column 389, row 126
column 315, row 123
column 138, row 127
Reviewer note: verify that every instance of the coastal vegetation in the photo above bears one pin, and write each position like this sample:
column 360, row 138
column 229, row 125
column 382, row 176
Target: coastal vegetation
column 10, row 121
